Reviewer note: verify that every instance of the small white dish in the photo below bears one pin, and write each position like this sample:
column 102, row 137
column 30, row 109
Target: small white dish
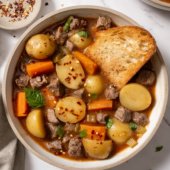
column 156, row 5
column 10, row 23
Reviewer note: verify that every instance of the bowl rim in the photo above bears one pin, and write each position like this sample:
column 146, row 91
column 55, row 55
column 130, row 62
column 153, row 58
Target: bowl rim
column 19, row 136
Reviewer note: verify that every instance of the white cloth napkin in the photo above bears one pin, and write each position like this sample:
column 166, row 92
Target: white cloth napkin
column 11, row 151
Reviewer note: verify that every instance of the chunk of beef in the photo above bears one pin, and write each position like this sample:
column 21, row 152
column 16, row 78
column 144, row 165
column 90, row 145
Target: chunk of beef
column 52, row 130
column 69, row 45
column 78, row 93
column 51, row 117
column 38, row 81
column 56, row 144
column 146, row 77
column 101, row 118
column 140, row 118
column 60, row 36
column 55, row 86
column 69, row 127
column 75, row 147
column 103, row 23
column 66, row 139
column 77, row 23
column 123, row 114
column 22, row 81
column 111, row 92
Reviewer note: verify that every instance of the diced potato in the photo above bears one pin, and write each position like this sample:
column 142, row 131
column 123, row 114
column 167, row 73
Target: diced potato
column 97, row 149
column 70, row 72
column 140, row 131
column 40, row 46
column 94, row 84
column 119, row 132
column 131, row 142
column 70, row 109
column 135, row 97
column 79, row 41
column 35, row 123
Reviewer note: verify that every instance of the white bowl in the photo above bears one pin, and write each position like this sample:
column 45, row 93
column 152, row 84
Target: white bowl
column 162, row 3
column 30, row 144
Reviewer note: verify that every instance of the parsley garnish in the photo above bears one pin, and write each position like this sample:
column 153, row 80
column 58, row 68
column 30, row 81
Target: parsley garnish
column 60, row 131
column 34, row 98
column 158, row 148
column 109, row 123
column 133, row 126
column 84, row 34
column 83, row 133
column 67, row 24
column 93, row 95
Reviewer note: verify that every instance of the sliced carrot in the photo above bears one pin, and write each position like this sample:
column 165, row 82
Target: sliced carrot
column 100, row 104
column 50, row 99
column 94, row 132
column 21, row 103
column 38, row 68
column 89, row 65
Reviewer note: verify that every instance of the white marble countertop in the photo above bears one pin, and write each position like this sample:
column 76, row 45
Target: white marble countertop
column 158, row 23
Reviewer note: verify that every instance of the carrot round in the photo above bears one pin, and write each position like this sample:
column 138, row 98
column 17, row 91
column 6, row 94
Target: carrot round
column 100, row 104
column 89, row 65
column 21, row 103
column 38, row 68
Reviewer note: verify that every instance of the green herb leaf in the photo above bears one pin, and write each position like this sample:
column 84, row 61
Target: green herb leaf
column 93, row 95
column 84, row 34
column 133, row 126
column 158, row 148
column 60, row 131
column 67, row 24
column 34, row 98
column 109, row 123
column 83, row 133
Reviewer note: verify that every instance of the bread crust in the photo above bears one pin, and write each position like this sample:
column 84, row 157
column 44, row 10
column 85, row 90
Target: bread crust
column 121, row 52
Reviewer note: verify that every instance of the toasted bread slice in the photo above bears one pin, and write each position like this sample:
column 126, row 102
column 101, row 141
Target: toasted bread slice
column 121, row 52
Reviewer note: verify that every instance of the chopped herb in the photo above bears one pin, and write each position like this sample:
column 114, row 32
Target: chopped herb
column 67, row 24
column 60, row 131
column 93, row 95
column 83, row 133
column 133, row 126
column 34, row 98
column 158, row 148
column 84, row 34
column 109, row 123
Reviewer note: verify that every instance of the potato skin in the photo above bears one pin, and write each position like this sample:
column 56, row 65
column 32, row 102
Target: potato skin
column 94, row 84
column 97, row 149
column 119, row 132
column 35, row 123
column 40, row 46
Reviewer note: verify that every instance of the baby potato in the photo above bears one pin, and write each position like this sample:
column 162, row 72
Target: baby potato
column 40, row 46
column 94, row 84
column 135, row 97
column 80, row 41
column 97, row 149
column 70, row 109
column 70, row 72
column 119, row 132
column 35, row 123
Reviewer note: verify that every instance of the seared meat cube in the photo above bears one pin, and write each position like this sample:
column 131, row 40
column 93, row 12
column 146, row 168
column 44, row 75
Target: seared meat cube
column 69, row 45
column 52, row 130
column 60, row 36
column 101, row 118
column 22, row 81
column 56, row 144
column 140, row 118
column 123, row 114
column 66, row 139
column 111, row 92
column 38, row 81
column 75, row 147
column 146, row 77
column 55, row 86
column 69, row 127
column 78, row 93
column 77, row 23
column 103, row 23
column 51, row 117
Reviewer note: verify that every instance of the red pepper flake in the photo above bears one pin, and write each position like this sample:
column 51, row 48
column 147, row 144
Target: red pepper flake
column 16, row 10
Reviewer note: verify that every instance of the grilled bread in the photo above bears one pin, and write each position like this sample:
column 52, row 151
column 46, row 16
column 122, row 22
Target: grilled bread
column 121, row 52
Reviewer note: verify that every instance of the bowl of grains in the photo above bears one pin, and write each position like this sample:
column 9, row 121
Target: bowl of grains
column 16, row 14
